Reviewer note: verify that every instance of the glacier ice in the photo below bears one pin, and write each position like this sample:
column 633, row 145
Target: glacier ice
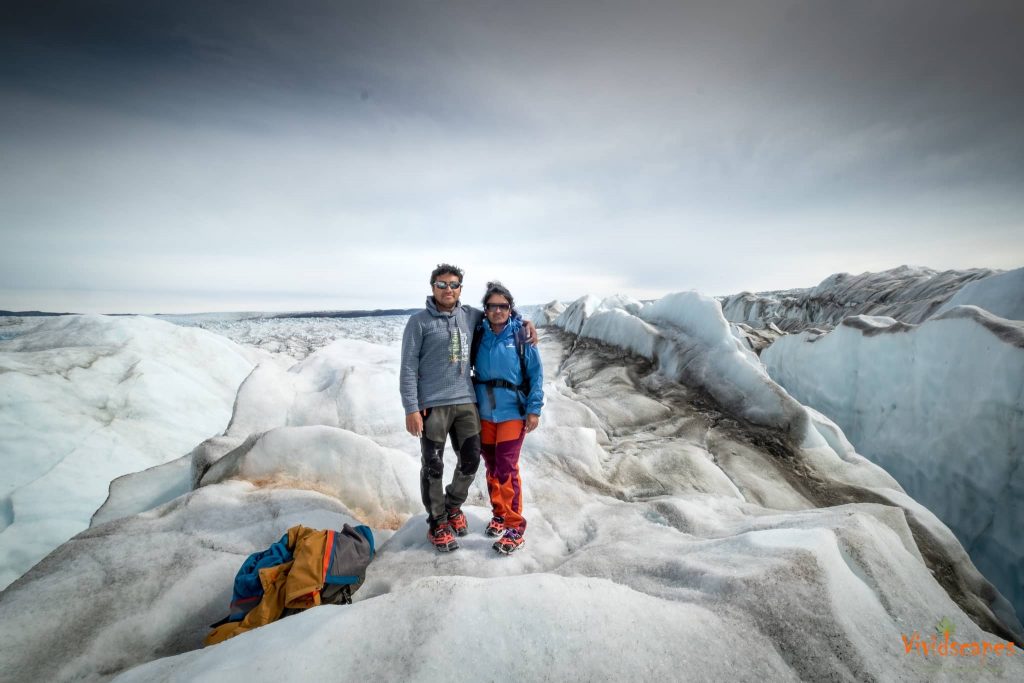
column 941, row 407
column 680, row 526
column 86, row 399
column 908, row 293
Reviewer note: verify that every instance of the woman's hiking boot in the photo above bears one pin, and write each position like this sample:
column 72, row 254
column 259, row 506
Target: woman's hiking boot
column 495, row 528
column 457, row 520
column 442, row 538
column 510, row 542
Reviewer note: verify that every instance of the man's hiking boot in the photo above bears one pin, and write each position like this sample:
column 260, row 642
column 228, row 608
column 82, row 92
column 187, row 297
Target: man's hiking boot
column 442, row 538
column 457, row 520
column 510, row 542
column 495, row 528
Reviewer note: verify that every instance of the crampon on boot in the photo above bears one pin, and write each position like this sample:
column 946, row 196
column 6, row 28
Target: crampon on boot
column 496, row 527
column 442, row 538
column 510, row 542
column 457, row 521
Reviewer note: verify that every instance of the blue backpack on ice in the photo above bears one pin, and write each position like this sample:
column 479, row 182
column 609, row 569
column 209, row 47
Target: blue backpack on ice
column 346, row 557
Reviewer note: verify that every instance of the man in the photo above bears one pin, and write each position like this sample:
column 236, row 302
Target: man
column 439, row 400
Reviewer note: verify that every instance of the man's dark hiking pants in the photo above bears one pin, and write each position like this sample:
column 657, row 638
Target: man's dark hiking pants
column 462, row 422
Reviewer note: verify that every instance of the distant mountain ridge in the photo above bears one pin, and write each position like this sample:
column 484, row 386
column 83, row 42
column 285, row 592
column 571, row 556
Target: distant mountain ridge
column 349, row 314
column 241, row 315
column 31, row 314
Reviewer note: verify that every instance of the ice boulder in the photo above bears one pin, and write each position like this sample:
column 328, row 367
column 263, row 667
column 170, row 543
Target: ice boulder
column 85, row 399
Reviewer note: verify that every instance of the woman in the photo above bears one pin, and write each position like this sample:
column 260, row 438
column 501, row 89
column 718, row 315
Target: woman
column 509, row 394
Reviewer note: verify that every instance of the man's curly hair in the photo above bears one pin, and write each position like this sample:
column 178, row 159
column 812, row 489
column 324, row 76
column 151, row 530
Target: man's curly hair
column 445, row 269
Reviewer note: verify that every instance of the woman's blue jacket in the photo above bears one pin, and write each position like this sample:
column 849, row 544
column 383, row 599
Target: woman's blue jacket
column 498, row 358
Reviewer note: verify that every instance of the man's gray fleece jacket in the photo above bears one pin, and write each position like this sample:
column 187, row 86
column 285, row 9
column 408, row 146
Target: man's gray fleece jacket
column 435, row 357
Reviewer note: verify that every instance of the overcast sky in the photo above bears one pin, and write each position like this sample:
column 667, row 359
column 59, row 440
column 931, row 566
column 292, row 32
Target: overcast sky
column 199, row 156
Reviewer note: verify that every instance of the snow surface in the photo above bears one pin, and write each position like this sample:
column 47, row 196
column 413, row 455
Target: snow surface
column 941, row 407
column 379, row 485
column 85, row 399
column 12, row 326
column 146, row 586
column 298, row 338
column 710, row 528
column 348, row 384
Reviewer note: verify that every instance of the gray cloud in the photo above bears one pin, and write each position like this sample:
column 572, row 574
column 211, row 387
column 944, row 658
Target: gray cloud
column 245, row 148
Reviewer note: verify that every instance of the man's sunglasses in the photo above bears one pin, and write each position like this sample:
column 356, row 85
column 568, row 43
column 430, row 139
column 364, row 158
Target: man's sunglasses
column 498, row 307
column 441, row 284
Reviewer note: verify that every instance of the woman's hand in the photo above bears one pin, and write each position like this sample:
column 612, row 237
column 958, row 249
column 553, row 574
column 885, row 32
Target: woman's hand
column 531, row 422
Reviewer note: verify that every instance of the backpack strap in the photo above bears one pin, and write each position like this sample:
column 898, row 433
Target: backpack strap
column 524, row 386
column 474, row 349
column 500, row 383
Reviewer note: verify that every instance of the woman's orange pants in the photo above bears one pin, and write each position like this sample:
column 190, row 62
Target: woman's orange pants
column 501, row 443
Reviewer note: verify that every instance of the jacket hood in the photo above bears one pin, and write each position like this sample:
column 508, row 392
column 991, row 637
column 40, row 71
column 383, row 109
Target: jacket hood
column 432, row 307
